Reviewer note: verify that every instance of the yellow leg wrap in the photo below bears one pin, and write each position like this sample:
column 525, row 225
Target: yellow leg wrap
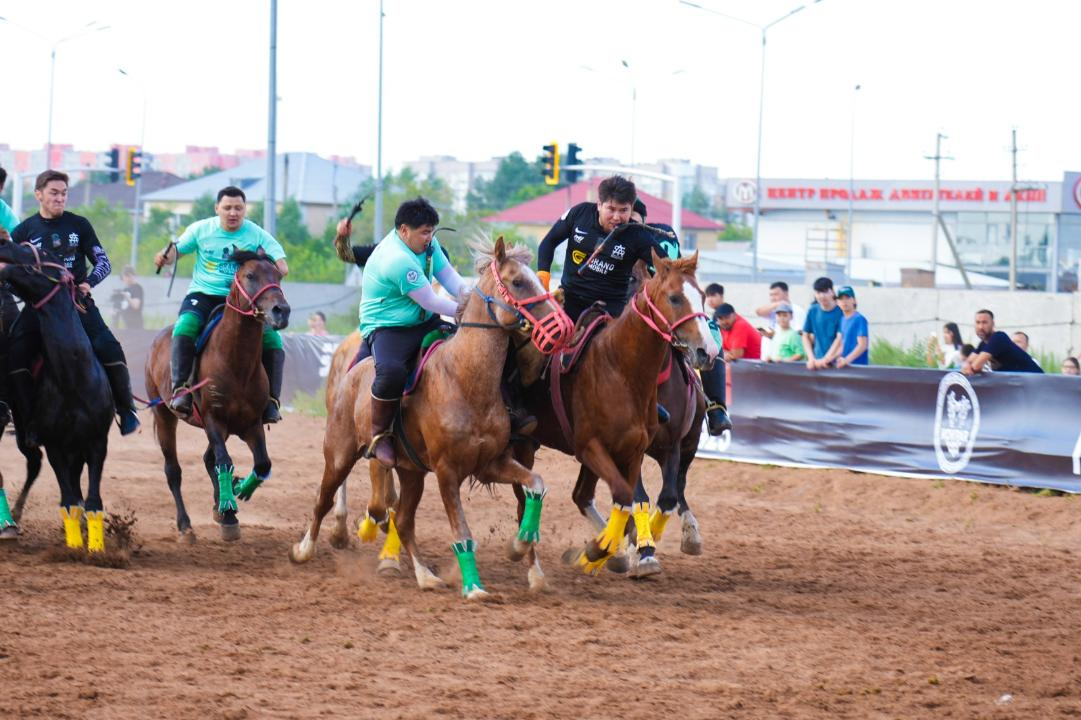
column 641, row 525
column 609, row 541
column 73, row 531
column 368, row 530
column 657, row 521
column 95, row 531
column 392, row 547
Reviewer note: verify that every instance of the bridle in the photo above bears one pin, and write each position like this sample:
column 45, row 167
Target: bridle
column 65, row 279
column 669, row 331
column 253, row 310
column 548, row 334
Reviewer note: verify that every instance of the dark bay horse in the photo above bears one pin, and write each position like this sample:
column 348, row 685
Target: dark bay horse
column 454, row 421
column 233, row 391
column 74, row 407
column 611, row 398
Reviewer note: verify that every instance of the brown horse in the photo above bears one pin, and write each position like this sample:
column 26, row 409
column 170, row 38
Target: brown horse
column 232, row 391
column 454, row 422
column 611, row 398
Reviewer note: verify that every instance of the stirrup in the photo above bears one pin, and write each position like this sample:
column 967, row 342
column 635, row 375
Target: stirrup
column 370, row 452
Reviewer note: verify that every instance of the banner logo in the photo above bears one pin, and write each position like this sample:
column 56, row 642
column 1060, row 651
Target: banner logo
column 745, row 192
column 957, row 422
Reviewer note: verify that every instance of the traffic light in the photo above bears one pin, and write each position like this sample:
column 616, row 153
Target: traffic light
column 572, row 176
column 133, row 168
column 551, row 164
column 114, row 164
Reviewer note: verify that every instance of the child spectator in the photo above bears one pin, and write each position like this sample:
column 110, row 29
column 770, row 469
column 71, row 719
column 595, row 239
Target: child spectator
column 1070, row 366
column 850, row 346
column 778, row 295
column 822, row 324
column 786, row 343
column 714, row 298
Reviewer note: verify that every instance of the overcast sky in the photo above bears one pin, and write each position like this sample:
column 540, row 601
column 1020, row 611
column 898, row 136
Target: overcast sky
column 477, row 79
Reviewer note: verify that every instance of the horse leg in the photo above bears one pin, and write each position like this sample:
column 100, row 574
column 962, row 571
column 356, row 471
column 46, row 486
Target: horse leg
column 255, row 439
column 526, row 454
column 464, row 545
column 71, row 509
column 600, row 549
column 505, row 469
column 339, row 536
column 33, row 469
column 584, row 496
column 224, row 472
column 338, row 461
column 95, row 510
column 669, row 497
column 165, row 432
column 390, row 554
column 376, row 513
column 8, row 529
column 412, row 483
column 691, row 542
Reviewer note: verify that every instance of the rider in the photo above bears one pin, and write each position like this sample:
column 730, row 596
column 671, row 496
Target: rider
column 8, row 310
column 73, row 240
column 399, row 307
column 214, row 240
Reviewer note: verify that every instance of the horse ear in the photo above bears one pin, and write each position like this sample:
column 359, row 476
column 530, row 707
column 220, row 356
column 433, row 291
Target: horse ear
column 500, row 253
column 660, row 263
column 260, row 252
column 689, row 262
column 640, row 273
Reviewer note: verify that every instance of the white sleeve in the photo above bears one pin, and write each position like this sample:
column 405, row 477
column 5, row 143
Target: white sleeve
column 427, row 299
column 449, row 278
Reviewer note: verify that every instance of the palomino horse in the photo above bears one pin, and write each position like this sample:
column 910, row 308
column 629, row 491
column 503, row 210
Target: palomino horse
column 610, row 399
column 453, row 422
column 232, row 391
column 74, row 405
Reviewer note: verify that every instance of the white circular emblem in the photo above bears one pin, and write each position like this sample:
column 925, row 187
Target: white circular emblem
column 1077, row 192
column 957, row 422
column 412, row 276
column 745, row 192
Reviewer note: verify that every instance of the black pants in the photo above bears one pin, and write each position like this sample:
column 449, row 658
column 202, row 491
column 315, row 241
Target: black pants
column 575, row 305
column 26, row 338
column 713, row 382
column 395, row 350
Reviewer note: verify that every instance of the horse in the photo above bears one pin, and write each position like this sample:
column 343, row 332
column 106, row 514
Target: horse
column 74, row 407
column 453, row 422
column 610, row 399
column 231, row 391
column 673, row 447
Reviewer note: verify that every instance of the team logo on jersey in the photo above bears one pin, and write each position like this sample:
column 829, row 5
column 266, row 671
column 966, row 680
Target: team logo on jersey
column 618, row 252
column 957, row 422
column 578, row 256
column 411, row 276
column 73, row 239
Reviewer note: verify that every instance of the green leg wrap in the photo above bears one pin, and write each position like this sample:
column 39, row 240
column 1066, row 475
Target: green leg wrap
column 245, row 489
column 529, row 530
column 467, row 561
column 272, row 340
column 6, row 520
column 226, row 496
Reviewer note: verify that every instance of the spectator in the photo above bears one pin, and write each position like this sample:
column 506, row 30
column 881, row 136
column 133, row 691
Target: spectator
column 786, row 343
column 850, row 346
column 947, row 354
column 997, row 349
column 1071, row 366
column 128, row 301
column 966, row 352
column 778, row 294
column 317, row 324
column 741, row 340
column 1020, row 339
column 822, row 324
column 714, row 297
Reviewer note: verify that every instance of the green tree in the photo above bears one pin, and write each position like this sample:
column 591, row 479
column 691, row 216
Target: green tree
column 697, row 201
column 516, row 180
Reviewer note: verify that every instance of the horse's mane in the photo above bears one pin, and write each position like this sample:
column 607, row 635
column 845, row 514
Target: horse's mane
column 242, row 256
column 483, row 248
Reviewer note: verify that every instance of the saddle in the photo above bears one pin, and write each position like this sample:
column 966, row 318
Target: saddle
column 590, row 324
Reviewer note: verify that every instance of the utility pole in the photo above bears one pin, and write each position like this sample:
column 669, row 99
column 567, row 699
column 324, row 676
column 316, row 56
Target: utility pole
column 938, row 222
column 378, row 235
column 270, row 205
column 1013, row 212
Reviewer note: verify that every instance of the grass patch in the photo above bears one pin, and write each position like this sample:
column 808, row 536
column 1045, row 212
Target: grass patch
column 311, row 404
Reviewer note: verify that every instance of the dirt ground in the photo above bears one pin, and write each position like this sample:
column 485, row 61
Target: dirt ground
column 820, row 594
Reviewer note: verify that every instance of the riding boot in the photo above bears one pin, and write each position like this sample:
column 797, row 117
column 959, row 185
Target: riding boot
column 274, row 364
column 717, row 419
column 21, row 385
column 182, row 361
column 120, row 382
column 522, row 422
column 383, row 414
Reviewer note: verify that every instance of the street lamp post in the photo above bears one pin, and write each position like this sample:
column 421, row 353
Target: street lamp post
column 270, row 203
column 378, row 235
column 851, row 185
column 761, row 106
column 634, row 106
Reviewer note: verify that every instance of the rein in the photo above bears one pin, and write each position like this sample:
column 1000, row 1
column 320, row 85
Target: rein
column 252, row 311
column 66, row 279
column 668, row 334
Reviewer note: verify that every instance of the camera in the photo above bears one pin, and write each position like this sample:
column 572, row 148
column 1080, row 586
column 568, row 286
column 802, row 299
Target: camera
column 119, row 300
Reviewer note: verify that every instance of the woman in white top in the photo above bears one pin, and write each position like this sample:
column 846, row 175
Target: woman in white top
column 948, row 354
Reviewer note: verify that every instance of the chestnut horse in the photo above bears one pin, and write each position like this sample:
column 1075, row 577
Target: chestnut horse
column 232, row 391
column 611, row 397
column 454, row 421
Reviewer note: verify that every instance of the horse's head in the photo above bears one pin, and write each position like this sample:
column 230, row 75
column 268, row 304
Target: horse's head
column 257, row 287
column 31, row 272
column 671, row 303
column 516, row 298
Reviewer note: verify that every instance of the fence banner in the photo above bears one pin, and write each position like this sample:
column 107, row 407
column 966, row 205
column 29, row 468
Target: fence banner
column 1007, row 428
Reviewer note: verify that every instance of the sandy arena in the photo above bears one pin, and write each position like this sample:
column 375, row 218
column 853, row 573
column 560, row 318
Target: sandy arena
column 820, row 594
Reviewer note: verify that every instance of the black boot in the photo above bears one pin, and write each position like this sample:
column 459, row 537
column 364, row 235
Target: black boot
column 182, row 360
column 521, row 421
column 274, row 364
column 383, row 412
column 120, row 382
column 717, row 419
column 21, row 386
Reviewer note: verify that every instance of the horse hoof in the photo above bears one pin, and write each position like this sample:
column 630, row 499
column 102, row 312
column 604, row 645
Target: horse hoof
column 231, row 532
column 646, row 566
column 691, row 544
column 339, row 539
column 570, row 556
column 427, row 580
column 9, row 534
column 389, row 567
column 186, row 537
column 619, row 563
column 482, row 595
column 218, row 517
column 516, row 551
column 537, row 581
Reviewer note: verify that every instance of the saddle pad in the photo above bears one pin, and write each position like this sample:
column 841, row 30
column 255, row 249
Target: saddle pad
column 208, row 330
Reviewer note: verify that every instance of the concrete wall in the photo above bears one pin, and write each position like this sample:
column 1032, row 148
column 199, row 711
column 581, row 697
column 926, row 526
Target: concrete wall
column 901, row 315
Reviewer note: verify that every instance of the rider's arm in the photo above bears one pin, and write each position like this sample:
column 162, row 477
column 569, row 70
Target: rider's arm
column 449, row 278
column 95, row 253
column 283, row 267
column 546, row 252
column 427, row 298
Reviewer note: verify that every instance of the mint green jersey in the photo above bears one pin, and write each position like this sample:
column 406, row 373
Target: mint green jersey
column 212, row 246
column 8, row 219
column 392, row 272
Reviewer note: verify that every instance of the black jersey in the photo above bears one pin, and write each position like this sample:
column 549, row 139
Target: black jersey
column 609, row 274
column 71, row 238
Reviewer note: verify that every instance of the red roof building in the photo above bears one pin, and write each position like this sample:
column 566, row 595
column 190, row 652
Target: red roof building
column 535, row 217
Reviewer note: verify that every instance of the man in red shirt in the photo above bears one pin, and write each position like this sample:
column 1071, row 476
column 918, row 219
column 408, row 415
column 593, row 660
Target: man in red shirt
column 741, row 340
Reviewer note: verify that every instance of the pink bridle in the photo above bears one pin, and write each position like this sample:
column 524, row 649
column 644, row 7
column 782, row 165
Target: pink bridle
column 252, row 310
column 66, row 279
column 670, row 334
column 549, row 334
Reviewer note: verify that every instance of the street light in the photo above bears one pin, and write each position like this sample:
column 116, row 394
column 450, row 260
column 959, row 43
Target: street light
column 89, row 28
column 634, row 105
column 761, row 100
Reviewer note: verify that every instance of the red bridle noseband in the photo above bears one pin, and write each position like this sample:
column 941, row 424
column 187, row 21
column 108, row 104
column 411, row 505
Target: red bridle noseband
column 549, row 334
column 252, row 310
column 669, row 335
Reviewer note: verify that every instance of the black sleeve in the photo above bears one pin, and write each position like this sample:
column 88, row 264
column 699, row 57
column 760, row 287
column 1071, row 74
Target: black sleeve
column 559, row 233
column 20, row 234
column 94, row 252
column 646, row 241
column 997, row 344
column 361, row 253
